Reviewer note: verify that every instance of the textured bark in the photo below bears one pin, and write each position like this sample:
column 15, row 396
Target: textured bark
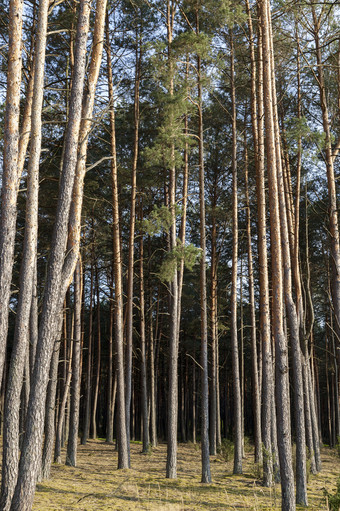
column 332, row 199
column 292, row 309
column 9, row 189
column 110, row 403
column 315, row 429
column 153, row 410
column 49, row 431
column 98, row 365
column 206, row 475
column 234, row 328
column 267, row 372
column 34, row 327
column 255, row 371
column 145, row 414
column 301, row 475
column 52, row 304
column 123, row 452
column 171, row 464
column 85, row 128
column 62, row 409
column 281, row 358
column 72, row 444
column 27, row 272
column 129, row 298
column 86, row 426
column 214, row 418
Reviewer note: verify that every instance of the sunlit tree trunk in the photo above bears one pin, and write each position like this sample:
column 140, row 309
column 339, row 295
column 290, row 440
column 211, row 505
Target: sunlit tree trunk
column 9, row 189
column 21, row 335
column 171, row 465
column 281, row 357
column 53, row 299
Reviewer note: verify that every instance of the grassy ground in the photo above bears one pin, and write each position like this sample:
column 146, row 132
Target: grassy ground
column 96, row 485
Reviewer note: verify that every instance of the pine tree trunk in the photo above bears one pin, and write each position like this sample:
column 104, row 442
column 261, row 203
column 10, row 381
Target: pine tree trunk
column 72, row 444
column 122, row 439
column 49, row 432
column 206, row 475
column 21, row 334
column 281, row 358
column 292, row 313
column 234, row 328
column 265, row 323
column 98, row 352
column 214, row 417
column 153, row 409
column 129, row 299
column 110, row 403
column 255, row 371
column 63, row 405
column 53, row 300
column 86, row 432
column 171, row 465
column 332, row 199
column 145, row 414
column 9, row 190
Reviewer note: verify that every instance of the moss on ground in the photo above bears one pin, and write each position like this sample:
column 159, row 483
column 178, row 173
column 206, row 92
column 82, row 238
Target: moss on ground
column 96, row 485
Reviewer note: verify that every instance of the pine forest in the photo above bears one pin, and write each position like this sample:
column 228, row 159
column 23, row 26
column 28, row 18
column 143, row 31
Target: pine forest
column 169, row 254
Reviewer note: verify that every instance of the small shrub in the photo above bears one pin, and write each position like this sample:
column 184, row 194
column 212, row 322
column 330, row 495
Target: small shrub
column 333, row 501
column 226, row 449
column 256, row 471
column 248, row 445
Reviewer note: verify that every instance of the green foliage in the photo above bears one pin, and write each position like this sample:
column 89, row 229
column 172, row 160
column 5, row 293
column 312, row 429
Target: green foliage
column 190, row 43
column 333, row 500
column 298, row 127
column 189, row 253
column 226, row 449
column 257, row 471
column 159, row 220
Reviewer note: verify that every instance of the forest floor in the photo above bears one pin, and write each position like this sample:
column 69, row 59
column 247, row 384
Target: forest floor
column 96, row 485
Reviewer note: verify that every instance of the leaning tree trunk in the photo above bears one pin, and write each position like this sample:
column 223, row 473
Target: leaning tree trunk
column 53, row 298
column 49, row 431
column 21, row 335
column 9, row 189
